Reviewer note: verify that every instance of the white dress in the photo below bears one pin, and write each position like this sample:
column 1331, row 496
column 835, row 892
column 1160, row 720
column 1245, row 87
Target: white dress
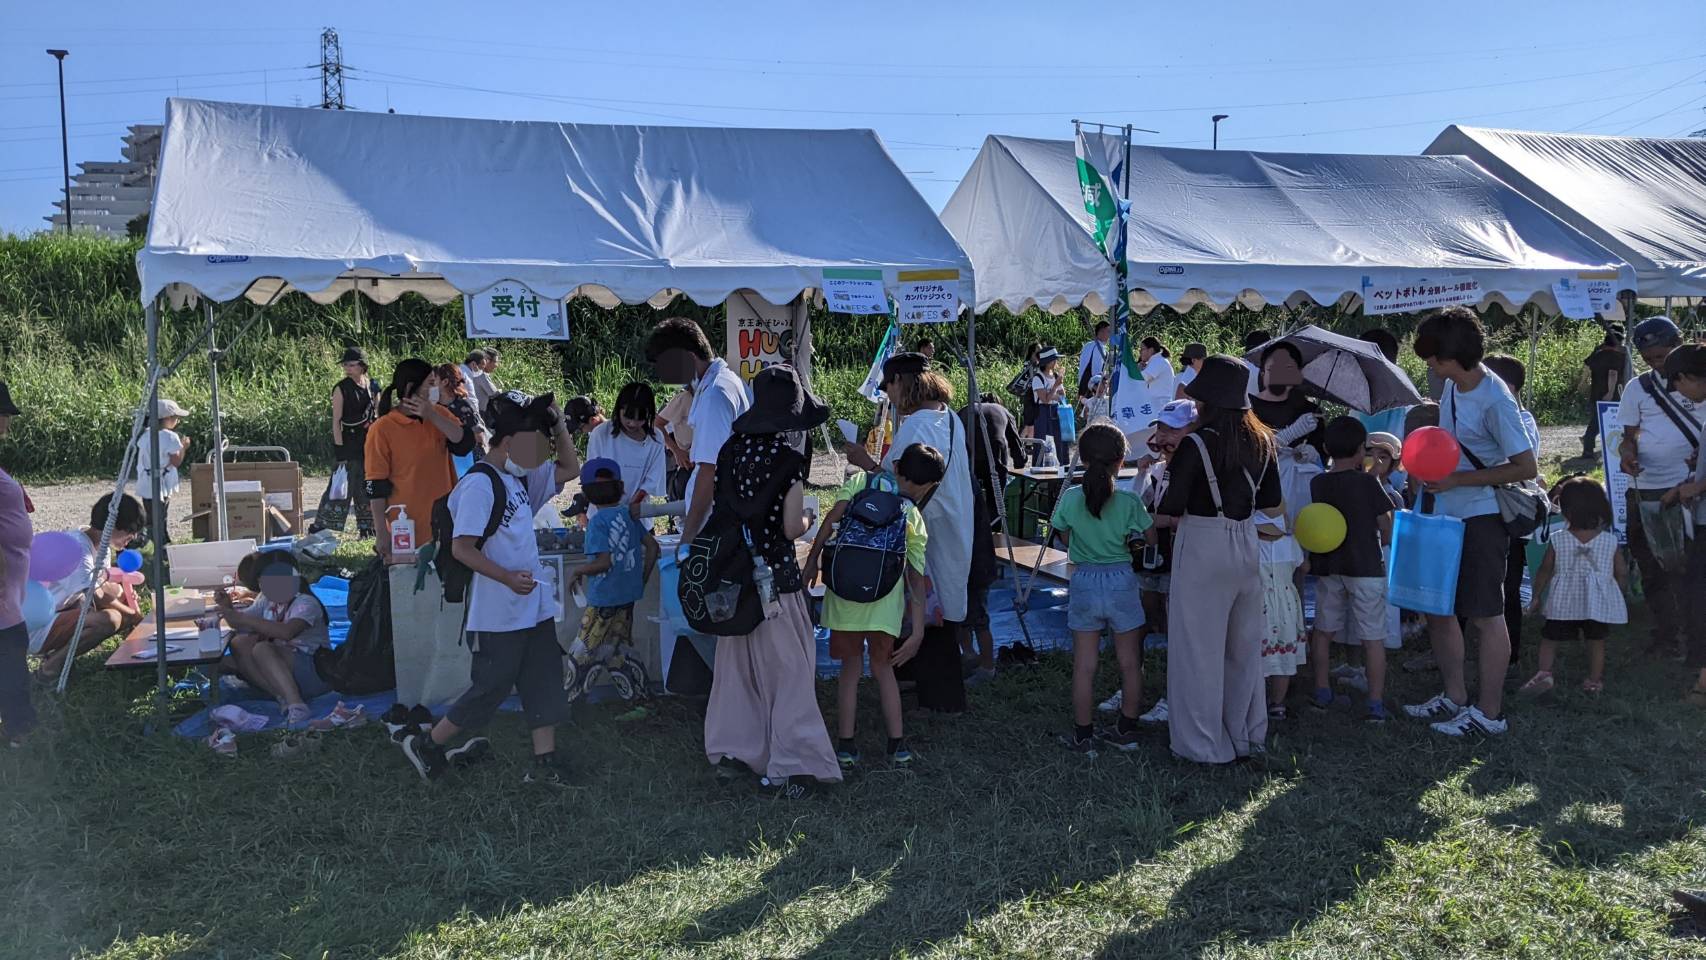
column 948, row 515
column 1583, row 587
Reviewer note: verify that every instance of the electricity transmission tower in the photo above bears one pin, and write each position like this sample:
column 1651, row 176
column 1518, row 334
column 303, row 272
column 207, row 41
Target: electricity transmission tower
column 331, row 71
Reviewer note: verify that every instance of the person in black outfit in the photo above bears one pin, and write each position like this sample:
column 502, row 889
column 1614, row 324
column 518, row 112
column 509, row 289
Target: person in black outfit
column 993, row 439
column 1602, row 373
column 354, row 402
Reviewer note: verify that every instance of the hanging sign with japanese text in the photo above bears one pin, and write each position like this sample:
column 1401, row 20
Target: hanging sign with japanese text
column 1610, row 438
column 1428, row 293
column 927, row 296
column 1602, row 289
column 509, row 309
column 761, row 334
column 1573, row 299
column 854, row 291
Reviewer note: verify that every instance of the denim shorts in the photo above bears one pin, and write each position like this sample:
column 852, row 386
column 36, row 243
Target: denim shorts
column 1103, row 596
column 308, row 681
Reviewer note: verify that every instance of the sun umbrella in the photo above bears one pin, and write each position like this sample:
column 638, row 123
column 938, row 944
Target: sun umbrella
column 1350, row 371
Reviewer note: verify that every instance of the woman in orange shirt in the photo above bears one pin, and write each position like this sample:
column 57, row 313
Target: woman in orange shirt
column 408, row 452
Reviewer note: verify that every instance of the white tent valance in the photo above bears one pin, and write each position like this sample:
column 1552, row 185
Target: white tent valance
column 1217, row 226
column 252, row 200
column 1643, row 199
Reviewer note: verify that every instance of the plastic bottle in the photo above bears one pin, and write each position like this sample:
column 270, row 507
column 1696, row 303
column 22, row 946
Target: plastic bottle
column 402, row 532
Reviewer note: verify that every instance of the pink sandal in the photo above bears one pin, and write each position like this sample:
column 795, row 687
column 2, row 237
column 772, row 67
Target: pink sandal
column 1593, row 688
column 1538, row 684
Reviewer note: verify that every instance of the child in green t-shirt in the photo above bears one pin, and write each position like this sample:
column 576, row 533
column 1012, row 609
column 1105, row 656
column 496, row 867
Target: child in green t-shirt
column 1098, row 522
column 855, row 627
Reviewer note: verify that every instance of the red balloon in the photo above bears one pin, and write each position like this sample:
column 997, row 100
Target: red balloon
column 1430, row 453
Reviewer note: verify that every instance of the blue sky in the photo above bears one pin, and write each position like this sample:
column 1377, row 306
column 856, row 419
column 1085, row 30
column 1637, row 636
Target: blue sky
column 931, row 78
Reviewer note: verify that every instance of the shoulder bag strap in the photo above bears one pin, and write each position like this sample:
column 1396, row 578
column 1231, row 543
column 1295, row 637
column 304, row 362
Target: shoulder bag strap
column 1685, row 422
column 1208, row 471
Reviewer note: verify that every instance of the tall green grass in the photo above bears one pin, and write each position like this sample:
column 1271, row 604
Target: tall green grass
column 72, row 348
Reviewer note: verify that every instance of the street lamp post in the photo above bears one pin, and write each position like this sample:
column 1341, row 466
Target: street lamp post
column 1216, row 121
column 64, row 140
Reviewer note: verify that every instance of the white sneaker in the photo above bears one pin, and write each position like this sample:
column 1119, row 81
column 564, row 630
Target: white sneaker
column 1157, row 714
column 1440, row 707
column 1113, row 703
column 1356, row 678
column 1470, row 721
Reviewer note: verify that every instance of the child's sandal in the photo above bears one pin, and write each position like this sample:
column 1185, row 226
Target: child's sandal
column 1538, row 684
column 1593, row 688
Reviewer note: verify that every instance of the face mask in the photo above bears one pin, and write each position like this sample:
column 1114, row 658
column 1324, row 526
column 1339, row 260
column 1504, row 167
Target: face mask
column 515, row 469
column 432, row 395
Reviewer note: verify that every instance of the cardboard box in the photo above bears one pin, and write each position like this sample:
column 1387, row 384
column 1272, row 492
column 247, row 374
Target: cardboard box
column 281, row 486
column 245, row 518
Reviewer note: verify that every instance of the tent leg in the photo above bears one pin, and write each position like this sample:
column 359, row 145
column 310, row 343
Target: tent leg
column 1533, row 352
column 219, row 527
column 158, row 524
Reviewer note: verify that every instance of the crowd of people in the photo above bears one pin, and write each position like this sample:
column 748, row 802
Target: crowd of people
column 1200, row 542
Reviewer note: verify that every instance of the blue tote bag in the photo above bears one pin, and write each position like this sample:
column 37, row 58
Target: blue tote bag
column 1427, row 550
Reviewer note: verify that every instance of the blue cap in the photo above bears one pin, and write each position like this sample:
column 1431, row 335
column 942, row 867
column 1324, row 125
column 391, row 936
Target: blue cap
column 1656, row 332
column 598, row 465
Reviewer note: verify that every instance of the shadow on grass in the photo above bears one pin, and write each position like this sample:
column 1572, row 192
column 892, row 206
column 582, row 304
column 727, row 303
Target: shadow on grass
column 999, row 842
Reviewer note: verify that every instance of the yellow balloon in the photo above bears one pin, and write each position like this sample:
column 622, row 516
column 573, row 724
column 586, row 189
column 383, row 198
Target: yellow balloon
column 1320, row 528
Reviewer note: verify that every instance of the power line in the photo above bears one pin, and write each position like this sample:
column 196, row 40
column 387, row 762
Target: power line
column 1684, row 105
column 1631, row 103
column 169, row 76
column 176, row 88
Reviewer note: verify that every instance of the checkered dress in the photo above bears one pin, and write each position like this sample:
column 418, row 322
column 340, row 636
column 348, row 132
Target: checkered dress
column 1582, row 587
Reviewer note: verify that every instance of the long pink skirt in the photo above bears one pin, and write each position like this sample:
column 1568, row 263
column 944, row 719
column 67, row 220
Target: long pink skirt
column 763, row 710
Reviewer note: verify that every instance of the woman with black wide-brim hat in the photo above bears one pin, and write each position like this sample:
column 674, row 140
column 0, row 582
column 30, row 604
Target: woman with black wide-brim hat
column 1224, row 471
column 354, row 401
column 763, row 711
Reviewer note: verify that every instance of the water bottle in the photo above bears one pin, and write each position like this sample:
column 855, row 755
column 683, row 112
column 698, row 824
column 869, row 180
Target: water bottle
column 764, row 580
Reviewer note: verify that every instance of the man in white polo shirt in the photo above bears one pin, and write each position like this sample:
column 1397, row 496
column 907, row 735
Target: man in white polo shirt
column 1661, row 435
column 679, row 351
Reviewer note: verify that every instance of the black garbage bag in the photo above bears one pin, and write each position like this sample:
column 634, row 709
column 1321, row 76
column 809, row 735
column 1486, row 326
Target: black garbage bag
column 365, row 662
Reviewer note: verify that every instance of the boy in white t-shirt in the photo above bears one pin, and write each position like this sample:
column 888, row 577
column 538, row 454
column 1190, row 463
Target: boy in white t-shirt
column 511, row 624
column 173, row 448
column 110, row 614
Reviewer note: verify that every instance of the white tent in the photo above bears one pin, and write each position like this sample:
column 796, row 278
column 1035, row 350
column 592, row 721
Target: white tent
column 254, row 201
column 1214, row 226
column 1643, row 199
column 253, row 198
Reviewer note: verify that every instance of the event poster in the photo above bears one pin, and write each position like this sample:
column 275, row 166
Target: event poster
column 927, row 296
column 1616, row 481
column 1428, row 293
column 854, row 291
column 761, row 334
column 509, row 309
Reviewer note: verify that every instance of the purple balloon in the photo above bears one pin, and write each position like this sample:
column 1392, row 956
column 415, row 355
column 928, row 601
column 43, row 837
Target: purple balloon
column 53, row 555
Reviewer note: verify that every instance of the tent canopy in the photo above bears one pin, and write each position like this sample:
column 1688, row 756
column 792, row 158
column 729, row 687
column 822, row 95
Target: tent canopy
column 1216, row 226
column 1643, row 199
column 253, row 200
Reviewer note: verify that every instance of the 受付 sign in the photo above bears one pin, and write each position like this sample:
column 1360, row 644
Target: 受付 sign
column 1408, row 296
column 509, row 309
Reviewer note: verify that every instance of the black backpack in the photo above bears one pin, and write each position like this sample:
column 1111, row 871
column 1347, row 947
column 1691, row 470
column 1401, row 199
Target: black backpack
column 452, row 573
column 869, row 553
column 717, row 591
column 365, row 662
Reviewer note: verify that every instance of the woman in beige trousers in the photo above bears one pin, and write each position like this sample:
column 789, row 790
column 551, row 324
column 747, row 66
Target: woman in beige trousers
column 1223, row 472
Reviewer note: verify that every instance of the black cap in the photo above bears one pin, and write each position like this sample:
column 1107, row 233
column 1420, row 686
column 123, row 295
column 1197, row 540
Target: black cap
column 1194, row 351
column 1222, row 382
column 7, row 407
column 1656, row 332
column 904, row 363
column 353, row 355
column 514, row 412
column 1689, row 358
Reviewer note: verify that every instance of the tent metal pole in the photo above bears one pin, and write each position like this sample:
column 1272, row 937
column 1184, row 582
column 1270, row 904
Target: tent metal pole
column 157, row 532
column 220, row 528
column 1533, row 352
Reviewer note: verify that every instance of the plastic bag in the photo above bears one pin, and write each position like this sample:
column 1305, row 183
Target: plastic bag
column 1666, row 528
column 1427, row 551
column 339, row 487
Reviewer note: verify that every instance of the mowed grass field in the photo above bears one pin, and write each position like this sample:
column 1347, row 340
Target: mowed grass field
column 1561, row 839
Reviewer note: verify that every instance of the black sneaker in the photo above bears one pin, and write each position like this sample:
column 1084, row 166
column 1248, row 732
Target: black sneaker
column 396, row 721
column 549, row 772
column 427, row 757
column 1084, row 745
column 730, row 770
column 469, row 753
column 793, row 788
column 421, row 718
column 1112, row 735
